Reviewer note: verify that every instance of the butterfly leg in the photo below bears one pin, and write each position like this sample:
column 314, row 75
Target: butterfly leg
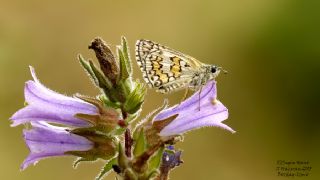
column 199, row 88
column 199, row 97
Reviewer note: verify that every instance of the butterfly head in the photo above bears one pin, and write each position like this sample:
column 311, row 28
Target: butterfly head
column 215, row 70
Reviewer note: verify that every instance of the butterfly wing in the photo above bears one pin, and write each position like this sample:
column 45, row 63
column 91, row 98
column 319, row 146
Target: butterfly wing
column 164, row 68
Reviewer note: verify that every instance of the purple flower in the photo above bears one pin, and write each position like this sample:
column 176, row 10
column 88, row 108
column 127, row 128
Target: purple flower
column 44, row 104
column 212, row 112
column 45, row 140
column 170, row 159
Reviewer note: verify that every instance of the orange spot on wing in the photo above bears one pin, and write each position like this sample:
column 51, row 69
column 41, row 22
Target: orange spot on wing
column 164, row 78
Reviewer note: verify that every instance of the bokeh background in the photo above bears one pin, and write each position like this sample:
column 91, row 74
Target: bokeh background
column 271, row 49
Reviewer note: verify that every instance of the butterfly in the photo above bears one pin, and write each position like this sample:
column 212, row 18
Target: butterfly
column 168, row 70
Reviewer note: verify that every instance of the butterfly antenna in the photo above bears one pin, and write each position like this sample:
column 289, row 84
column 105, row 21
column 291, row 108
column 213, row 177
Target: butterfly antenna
column 223, row 70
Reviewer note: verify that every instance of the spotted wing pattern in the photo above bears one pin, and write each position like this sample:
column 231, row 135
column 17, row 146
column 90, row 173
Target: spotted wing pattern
column 164, row 68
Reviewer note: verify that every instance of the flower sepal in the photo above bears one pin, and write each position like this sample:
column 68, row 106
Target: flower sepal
column 152, row 131
column 107, row 168
column 104, row 147
column 154, row 164
column 107, row 119
column 140, row 142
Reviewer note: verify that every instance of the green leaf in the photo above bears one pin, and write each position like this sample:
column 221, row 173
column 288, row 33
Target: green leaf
column 140, row 145
column 135, row 99
column 80, row 159
column 102, row 81
column 124, row 86
column 124, row 73
column 155, row 161
column 107, row 167
column 104, row 84
column 126, row 54
column 107, row 102
column 85, row 64
column 122, row 158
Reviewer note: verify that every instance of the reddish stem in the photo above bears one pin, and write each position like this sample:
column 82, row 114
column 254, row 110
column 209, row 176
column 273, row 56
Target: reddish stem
column 128, row 143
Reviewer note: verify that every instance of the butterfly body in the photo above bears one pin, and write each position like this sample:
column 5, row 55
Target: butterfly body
column 168, row 70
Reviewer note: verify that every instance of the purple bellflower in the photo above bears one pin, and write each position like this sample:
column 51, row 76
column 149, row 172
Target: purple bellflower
column 45, row 140
column 44, row 104
column 211, row 113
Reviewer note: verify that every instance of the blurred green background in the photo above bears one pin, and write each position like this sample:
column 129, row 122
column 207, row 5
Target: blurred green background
column 271, row 49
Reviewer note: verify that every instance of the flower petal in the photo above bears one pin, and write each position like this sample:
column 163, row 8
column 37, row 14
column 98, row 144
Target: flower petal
column 45, row 140
column 202, row 109
column 209, row 92
column 209, row 115
column 33, row 114
column 34, row 158
column 45, row 104
column 36, row 93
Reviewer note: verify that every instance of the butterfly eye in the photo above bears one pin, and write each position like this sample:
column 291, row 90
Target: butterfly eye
column 213, row 69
